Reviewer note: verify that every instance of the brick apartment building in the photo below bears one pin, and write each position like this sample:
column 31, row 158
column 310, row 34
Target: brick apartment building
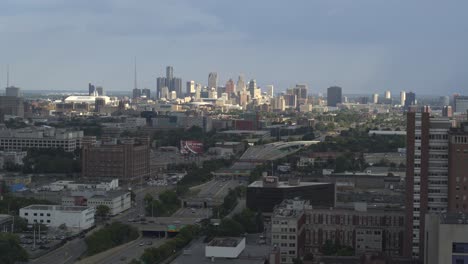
column 126, row 159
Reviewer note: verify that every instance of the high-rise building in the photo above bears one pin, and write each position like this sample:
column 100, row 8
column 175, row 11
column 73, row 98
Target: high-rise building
column 169, row 72
column 212, row 80
column 270, row 90
column 461, row 103
column 410, row 99
column 457, row 169
column 402, row 98
column 230, row 87
column 426, row 174
column 375, row 98
column 388, row 94
column 447, row 111
column 136, row 93
column 240, row 84
column 290, row 100
column 100, row 91
column 146, row 92
column 334, row 96
column 91, row 89
column 252, row 87
column 198, row 89
column 177, row 87
column 13, row 91
column 190, row 88
column 160, row 83
column 302, row 91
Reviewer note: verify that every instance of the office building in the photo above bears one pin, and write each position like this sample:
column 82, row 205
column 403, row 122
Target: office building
column 126, row 159
column 212, row 80
column 252, row 87
column 169, row 72
column 91, row 89
column 190, row 89
column 264, row 195
column 100, row 91
column 136, row 93
column 161, row 82
column 447, row 111
column 146, row 93
column 402, row 98
column 13, row 91
column 290, row 100
column 230, row 88
column 288, row 229
column 39, row 137
column 172, row 83
column 334, row 96
column 426, row 174
column 375, row 98
column 410, row 99
column 388, row 95
column 460, row 104
column 457, row 169
column 366, row 229
column 11, row 105
column 76, row 218
column 446, row 238
column 240, row 84
column 270, row 90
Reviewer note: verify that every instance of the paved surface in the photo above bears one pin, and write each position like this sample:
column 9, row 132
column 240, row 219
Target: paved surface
column 67, row 254
column 217, row 188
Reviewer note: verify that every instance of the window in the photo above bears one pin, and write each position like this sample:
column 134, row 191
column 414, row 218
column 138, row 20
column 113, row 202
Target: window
column 26, row 214
column 35, row 214
column 48, row 214
column 459, row 247
column 48, row 221
column 292, row 252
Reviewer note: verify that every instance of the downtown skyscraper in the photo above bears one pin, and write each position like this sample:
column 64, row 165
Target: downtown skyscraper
column 173, row 84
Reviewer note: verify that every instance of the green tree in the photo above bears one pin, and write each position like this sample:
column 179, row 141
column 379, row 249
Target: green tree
column 10, row 250
column 110, row 236
column 102, row 211
column 230, row 227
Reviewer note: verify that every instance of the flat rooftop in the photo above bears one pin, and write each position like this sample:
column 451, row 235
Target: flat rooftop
column 45, row 207
column 225, row 241
column 285, row 184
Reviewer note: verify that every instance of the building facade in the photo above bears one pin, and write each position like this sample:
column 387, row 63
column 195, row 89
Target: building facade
column 457, row 169
column 126, row 160
column 334, row 96
column 426, row 174
column 73, row 217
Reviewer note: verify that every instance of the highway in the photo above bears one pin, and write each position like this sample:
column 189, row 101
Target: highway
column 67, row 254
column 132, row 250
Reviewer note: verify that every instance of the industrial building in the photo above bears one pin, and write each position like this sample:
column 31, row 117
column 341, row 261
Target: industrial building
column 73, row 217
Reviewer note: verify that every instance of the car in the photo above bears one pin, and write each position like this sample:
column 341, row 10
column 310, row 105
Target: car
column 141, row 244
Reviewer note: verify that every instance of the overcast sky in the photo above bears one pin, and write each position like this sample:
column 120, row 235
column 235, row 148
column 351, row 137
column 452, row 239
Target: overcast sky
column 364, row 46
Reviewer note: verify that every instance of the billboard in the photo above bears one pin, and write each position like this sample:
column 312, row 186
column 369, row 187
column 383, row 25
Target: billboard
column 191, row 147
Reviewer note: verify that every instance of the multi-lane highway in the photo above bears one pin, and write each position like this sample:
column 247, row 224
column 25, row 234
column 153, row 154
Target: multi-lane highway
column 67, row 254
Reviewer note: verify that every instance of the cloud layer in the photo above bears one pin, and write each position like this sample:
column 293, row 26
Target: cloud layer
column 365, row 46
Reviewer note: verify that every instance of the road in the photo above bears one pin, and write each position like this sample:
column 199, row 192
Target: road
column 132, row 250
column 67, row 254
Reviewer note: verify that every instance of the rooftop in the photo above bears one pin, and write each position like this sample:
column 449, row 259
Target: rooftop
column 44, row 207
column 284, row 184
column 225, row 242
column 5, row 217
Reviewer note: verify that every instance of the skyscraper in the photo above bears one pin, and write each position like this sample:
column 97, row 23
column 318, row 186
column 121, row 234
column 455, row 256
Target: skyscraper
column 388, row 94
column 302, row 94
column 334, row 96
column 461, row 103
column 230, row 87
column 270, row 90
column 177, row 87
column 426, row 175
column 457, row 169
column 240, row 84
column 410, row 99
column 146, row 92
column 190, row 88
column 91, row 89
column 13, row 91
column 160, row 83
column 252, row 87
column 402, row 98
column 212, row 80
column 375, row 98
column 100, row 91
column 169, row 72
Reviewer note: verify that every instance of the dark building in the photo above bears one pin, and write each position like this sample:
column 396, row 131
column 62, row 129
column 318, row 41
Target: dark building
column 136, row 93
column 91, row 89
column 426, row 175
column 457, row 169
column 176, row 85
column 146, row 92
column 171, row 82
column 410, row 99
column 266, row 194
column 447, row 111
column 334, row 96
column 127, row 159
column 100, row 91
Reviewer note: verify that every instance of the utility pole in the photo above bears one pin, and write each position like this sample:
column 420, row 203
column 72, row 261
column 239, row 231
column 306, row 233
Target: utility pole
column 34, row 236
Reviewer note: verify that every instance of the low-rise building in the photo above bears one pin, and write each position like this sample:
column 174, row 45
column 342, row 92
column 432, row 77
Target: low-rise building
column 225, row 247
column 117, row 201
column 288, row 229
column 103, row 185
column 73, row 217
column 12, row 158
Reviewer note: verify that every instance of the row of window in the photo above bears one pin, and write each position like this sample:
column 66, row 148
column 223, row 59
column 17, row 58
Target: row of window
column 292, row 237
column 35, row 214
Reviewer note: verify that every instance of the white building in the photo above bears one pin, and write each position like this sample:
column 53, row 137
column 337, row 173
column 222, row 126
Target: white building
column 85, row 185
column 446, row 238
column 117, row 201
column 402, row 98
column 375, row 98
column 39, row 137
column 74, row 217
column 226, row 247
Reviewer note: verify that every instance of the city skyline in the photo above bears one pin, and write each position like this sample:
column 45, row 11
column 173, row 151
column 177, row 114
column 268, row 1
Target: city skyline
column 357, row 51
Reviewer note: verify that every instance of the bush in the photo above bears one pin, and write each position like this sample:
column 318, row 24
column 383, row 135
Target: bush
column 10, row 250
